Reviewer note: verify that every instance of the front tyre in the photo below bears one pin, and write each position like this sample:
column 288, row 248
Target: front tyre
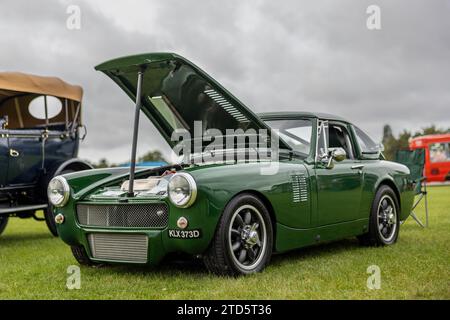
column 243, row 240
column 384, row 220
column 79, row 253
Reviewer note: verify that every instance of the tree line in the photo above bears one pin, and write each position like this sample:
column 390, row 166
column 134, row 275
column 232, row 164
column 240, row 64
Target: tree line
column 401, row 142
column 151, row 156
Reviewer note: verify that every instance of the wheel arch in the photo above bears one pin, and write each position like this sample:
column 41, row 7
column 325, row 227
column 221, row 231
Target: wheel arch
column 390, row 183
column 73, row 164
column 267, row 204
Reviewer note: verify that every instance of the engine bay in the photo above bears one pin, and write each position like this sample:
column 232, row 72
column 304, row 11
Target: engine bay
column 148, row 184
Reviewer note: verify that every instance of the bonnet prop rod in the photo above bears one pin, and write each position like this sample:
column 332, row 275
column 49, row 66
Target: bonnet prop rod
column 135, row 132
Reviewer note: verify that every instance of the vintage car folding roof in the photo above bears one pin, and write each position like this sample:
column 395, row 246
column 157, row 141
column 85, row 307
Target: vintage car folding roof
column 17, row 83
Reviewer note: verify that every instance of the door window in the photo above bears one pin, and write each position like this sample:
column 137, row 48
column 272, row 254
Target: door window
column 334, row 135
column 339, row 137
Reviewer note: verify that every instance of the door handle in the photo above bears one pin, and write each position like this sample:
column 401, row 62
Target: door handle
column 14, row 153
column 357, row 167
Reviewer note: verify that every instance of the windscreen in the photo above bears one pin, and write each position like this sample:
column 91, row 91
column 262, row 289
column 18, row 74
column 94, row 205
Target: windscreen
column 296, row 133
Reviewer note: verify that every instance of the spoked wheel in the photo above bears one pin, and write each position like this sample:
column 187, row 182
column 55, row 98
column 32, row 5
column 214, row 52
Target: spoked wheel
column 384, row 221
column 387, row 218
column 243, row 240
column 247, row 237
column 3, row 222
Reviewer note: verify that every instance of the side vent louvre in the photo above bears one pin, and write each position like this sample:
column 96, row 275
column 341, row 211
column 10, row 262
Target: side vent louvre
column 299, row 188
column 228, row 107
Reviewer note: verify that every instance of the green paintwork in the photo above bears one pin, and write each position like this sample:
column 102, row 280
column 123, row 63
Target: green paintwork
column 337, row 206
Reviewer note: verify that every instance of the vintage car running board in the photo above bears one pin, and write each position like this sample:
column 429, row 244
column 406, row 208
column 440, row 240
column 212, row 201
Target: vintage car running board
column 23, row 208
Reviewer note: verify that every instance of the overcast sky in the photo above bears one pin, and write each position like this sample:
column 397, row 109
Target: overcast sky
column 273, row 55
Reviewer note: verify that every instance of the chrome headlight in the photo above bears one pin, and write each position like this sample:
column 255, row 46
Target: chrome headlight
column 58, row 191
column 182, row 190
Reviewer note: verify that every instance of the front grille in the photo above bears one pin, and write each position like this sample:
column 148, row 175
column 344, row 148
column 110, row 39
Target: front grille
column 155, row 215
column 119, row 247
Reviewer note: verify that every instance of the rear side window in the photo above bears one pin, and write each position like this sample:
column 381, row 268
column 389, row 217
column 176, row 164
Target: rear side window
column 366, row 144
column 36, row 108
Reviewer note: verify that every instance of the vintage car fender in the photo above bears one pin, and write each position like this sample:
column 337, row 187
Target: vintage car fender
column 73, row 164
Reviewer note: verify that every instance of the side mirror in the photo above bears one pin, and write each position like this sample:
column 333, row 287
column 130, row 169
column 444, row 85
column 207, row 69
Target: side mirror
column 337, row 154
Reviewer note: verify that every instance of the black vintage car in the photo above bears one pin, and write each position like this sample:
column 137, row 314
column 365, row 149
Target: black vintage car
column 40, row 131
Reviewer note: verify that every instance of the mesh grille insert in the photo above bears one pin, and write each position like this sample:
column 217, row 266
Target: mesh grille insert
column 154, row 215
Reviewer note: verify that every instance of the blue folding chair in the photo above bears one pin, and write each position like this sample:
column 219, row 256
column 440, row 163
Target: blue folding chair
column 415, row 161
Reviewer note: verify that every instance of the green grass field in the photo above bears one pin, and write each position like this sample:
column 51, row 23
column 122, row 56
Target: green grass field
column 33, row 265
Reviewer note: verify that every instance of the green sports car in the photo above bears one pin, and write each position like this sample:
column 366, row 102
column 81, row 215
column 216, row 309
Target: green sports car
column 311, row 178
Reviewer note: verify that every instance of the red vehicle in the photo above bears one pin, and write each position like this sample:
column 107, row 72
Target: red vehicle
column 437, row 155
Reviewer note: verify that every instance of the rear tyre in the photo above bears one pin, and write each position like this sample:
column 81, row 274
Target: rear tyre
column 384, row 222
column 81, row 256
column 243, row 240
column 48, row 213
column 3, row 222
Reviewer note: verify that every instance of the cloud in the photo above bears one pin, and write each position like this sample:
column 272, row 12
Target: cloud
column 293, row 55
